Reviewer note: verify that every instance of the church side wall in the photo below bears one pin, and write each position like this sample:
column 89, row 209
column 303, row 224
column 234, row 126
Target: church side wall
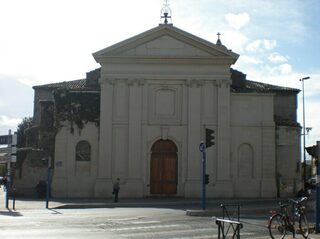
column 74, row 178
column 288, row 160
column 40, row 94
column 253, row 145
column 288, row 145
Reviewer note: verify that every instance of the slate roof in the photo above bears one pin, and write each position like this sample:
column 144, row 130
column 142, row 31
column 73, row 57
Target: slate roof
column 239, row 85
column 90, row 83
column 259, row 87
column 70, row 85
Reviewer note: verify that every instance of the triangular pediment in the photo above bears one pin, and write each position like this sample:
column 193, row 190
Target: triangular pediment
column 166, row 41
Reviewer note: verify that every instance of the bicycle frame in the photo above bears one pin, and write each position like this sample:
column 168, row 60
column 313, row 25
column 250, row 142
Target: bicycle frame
column 289, row 220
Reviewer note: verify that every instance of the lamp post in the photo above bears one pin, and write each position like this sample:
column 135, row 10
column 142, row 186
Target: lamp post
column 304, row 131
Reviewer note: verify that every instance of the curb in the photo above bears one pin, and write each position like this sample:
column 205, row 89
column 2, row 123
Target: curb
column 218, row 212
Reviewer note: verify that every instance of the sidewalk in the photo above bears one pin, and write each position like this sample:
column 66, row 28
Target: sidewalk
column 192, row 206
column 181, row 203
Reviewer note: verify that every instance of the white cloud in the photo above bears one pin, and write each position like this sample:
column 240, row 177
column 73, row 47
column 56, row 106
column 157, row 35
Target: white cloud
column 234, row 40
column 249, row 60
column 269, row 44
column 261, row 45
column 311, row 119
column 9, row 123
column 237, row 21
column 276, row 58
column 28, row 82
column 285, row 69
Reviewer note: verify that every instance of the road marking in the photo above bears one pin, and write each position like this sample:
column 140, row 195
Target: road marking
column 144, row 227
column 146, row 222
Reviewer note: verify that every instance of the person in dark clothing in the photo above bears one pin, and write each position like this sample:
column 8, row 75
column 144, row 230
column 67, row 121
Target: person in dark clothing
column 116, row 188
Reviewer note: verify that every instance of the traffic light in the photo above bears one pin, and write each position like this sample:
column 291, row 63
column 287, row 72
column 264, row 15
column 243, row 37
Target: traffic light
column 209, row 137
column 206, row 178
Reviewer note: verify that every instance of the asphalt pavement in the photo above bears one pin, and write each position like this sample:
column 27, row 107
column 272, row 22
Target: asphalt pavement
column 193, row 207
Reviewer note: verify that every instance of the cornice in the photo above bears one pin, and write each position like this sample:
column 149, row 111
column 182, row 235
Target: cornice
column 217, row 60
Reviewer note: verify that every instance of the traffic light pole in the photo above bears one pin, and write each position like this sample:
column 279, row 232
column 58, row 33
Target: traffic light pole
column 204, row 161
column 202, row 148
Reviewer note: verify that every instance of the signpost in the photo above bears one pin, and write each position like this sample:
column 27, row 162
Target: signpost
column 8, row 156
column 202, row 148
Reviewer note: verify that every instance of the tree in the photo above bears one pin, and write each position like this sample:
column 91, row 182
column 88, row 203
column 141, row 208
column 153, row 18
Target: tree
column 26, row 123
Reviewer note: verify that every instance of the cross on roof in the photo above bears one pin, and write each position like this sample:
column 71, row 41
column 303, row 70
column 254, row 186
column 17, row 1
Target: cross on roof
column 166, row 11
column 219, row 41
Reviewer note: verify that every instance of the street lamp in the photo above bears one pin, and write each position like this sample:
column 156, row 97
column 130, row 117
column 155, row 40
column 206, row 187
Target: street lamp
column 304, row 131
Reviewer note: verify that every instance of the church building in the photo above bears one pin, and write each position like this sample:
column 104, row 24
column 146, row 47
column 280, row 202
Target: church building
column 142, row 115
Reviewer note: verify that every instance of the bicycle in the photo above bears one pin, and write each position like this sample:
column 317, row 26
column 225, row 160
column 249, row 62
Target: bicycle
column 281, row 222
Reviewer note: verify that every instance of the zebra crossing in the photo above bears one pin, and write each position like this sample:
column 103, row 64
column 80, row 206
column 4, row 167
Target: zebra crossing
column 140, row 228
column 161, row 229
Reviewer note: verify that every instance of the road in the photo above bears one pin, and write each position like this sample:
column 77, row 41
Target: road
column 32, row 220
column 134, row 223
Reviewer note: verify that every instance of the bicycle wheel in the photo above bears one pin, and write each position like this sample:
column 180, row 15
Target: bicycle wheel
column 277, row 227
column 303, row 226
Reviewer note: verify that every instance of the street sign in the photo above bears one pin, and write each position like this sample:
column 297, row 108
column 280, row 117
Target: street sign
column 8, row 154
column 202, row 147
column 4, row 157
column 13, row 159
column 14, row 139
column 5, row 139
column 6, row 150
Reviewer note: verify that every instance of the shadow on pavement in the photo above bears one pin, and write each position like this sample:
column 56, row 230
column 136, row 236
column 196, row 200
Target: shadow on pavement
column 11, row 213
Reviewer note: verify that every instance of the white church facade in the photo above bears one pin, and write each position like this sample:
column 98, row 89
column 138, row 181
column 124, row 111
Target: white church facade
column 158, row 92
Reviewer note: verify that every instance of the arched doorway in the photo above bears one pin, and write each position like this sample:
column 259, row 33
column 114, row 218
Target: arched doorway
column 164, row 168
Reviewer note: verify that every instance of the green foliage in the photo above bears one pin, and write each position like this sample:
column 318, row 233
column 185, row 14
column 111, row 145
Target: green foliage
column 76, row 107
column 26, row 123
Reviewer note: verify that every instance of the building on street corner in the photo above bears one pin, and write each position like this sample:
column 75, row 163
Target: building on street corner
column 141, row 116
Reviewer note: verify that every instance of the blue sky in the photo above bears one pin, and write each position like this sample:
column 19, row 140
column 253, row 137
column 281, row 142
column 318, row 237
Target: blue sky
column 53, row 41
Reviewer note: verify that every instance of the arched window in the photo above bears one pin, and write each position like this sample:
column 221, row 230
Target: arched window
column 83, row 151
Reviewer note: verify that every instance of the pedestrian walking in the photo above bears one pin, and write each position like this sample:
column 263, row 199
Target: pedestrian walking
column 116, row 188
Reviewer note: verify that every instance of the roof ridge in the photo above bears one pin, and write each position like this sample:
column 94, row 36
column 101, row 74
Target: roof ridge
column 273, row 87
column 73, row 84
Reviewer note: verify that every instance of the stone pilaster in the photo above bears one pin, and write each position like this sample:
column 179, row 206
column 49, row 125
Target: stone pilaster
column 223, row 131
column 135, row 129
column 194, row 134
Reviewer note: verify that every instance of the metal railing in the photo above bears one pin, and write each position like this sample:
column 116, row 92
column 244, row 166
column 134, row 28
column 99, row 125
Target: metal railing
column 230, row 223
column 224, row 227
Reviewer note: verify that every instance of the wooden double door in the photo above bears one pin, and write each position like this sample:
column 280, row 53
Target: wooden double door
column 164, row 168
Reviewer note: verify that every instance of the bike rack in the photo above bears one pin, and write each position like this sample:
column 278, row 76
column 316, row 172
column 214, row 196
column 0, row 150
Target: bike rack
column 230, row 220
column 222, row 233
column 231, row 214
